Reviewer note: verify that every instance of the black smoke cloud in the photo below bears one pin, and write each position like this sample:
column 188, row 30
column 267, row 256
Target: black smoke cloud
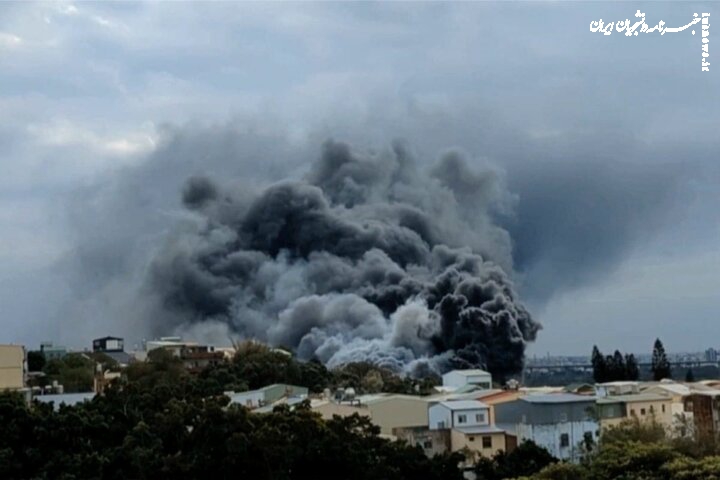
column 367, row 258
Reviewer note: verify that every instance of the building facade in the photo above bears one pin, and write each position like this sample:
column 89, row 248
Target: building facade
column 562, row 423
column 461, row 378
column 12, row 367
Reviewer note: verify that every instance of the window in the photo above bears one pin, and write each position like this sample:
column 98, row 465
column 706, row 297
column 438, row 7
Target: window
column 480, row 418
column 471, row 439
column 441, row 425
column 487, row 442
column 652, row 410
column 632, row 412
column 663, row 408
column 642, row 411
column 564, row 440
column 462, row 418
column 427, row 444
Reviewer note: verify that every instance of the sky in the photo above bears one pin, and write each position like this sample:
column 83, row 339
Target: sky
column 607, row 145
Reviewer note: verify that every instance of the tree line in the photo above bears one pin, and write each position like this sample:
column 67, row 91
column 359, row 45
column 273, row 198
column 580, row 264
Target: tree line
column 617, row 367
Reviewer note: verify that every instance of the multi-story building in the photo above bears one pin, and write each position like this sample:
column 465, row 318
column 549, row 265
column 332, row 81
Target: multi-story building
column 646, row 407
column 387, row 411
column 563, row 423
column 703, row 414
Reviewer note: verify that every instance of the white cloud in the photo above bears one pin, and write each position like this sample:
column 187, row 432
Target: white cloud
column 8, row 40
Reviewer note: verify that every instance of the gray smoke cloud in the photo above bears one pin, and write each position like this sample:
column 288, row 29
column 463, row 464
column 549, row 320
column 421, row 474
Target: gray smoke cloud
column 367, row 258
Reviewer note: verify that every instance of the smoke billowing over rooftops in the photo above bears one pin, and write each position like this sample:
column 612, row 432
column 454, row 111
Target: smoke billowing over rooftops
column 367, row 258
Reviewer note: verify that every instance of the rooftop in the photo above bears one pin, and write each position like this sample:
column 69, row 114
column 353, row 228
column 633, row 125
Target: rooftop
column 479, row 429
column 469, row 372
column 558, row 398
column 463, row 404
column 634, row 397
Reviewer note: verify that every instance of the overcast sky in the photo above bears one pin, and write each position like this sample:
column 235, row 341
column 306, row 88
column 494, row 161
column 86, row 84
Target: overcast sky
column 609, row 144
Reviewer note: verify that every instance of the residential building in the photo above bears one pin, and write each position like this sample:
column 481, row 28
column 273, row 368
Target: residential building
column 646, row 407
column 12, row 367
column 562, row 423
column 702, row 411
column 266, row 395
column 461, row 378
column 197, row 357
column 622, row 387
column 458, row 413
column 433, row 442
column 111, row 349
column 677, row 392
column 108, row 344
column 51, row 351
column 387, row 411
column 481, row 441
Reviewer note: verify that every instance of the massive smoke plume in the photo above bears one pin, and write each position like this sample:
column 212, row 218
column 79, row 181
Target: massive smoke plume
column 365, row 259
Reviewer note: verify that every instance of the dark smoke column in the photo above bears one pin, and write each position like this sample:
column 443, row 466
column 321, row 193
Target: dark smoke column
column 366, row 259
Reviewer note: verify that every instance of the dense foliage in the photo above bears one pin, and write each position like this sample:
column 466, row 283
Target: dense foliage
column 161, row 422
column 527, row 459
column 614, row 367
column 660, row 364
column 638, row 450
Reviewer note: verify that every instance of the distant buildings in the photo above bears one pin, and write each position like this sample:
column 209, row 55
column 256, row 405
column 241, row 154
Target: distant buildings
column 711, row 355
column 113, row 348
column 458, row 413
column 51, row 351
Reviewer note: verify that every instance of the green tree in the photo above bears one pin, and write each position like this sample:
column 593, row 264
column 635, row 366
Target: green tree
column 660, row 366
column 527, row 459
column 632, row 372
column 599, row 365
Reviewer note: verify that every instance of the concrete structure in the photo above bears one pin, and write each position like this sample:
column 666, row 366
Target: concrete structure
column 197, row 357
column 461, row 378
column 646, row 407
column 387, row 411
column 481, row 441
column 702, row 410
column 433, row 442
column 267, row 395
column 458, row 413
column 560, row 422
column 623, row 387
column 12, row 367
column 51, row 351
column 108, row 344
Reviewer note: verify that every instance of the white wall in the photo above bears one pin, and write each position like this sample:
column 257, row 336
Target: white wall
column 250, row 399
column 548, row 436
column 439, row 413
column 471, row 419
column 457, row 379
